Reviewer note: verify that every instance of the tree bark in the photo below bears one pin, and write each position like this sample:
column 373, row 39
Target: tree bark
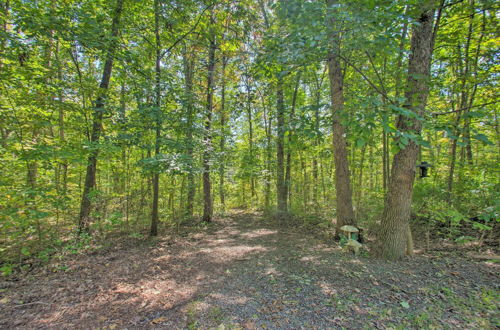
column 156, row 174
column 188, row 81
column 250, row 136
column 267, row 177
column 280, row 155
column 288, row 174
column 97, row 118
column 222, row 167
column 345, row 212
column 207, row 185
column 396, row 215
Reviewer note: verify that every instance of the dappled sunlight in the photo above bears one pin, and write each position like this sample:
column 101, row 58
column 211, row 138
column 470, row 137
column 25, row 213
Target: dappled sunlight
column 271, row 271
column 258, row 233
column 228, row 253
column 231, row 299
column 327, row 288
column 231, row 275
column 315, row 260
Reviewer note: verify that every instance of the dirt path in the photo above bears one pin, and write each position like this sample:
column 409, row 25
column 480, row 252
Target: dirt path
column 244, row 273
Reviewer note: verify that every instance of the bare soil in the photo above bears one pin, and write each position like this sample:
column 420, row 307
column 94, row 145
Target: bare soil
column 243, row 272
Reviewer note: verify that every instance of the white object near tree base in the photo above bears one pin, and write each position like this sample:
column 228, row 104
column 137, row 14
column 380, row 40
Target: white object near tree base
column 349, row 230
column 354, row 245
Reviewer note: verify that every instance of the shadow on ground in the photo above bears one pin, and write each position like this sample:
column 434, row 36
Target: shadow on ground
column 244, row 273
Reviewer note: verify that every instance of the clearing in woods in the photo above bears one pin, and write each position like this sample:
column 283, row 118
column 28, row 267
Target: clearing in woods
column 244, row 272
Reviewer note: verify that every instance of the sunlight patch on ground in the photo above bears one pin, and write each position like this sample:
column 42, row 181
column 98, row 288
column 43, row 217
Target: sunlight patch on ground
column 233, row 252
column 258, row 233
column 152, row 293
column 311, row 259
column 232, row 299
column 327, row 289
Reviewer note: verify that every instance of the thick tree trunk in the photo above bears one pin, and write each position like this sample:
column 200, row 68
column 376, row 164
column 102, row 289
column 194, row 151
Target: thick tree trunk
column 396, row 215
column 207, row 185
column 97, row 117
column 156, row 174
column 345, row 212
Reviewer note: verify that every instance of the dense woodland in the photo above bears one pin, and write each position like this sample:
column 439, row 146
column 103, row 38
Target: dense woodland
column 132, row 117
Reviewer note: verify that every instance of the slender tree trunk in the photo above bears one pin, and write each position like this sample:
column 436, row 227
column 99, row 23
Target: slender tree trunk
column 268, row 177
column 345, row 212
column 359, row 188
column 63, row 166
column 396, row 215
column 317, row 103
column 222, row 166
column 156, row 174
column 188, row 63
column 280, row 155
column 288, row 173
column 466, row 98
column 250, row 137
column 97, row 117
column 207, row 185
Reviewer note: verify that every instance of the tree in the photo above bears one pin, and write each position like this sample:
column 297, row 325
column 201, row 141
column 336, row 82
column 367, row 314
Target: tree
column 97, row 119
column 396, row 215
column 158, row 123
column 207, row 184
column 345, row 212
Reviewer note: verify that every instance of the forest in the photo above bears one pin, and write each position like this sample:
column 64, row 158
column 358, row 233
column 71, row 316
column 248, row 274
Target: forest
column 320, row 145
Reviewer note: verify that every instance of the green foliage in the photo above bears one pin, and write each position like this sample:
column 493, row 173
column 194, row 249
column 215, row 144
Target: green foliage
column 52, row 55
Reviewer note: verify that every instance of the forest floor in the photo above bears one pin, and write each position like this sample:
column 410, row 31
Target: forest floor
column 244, row 272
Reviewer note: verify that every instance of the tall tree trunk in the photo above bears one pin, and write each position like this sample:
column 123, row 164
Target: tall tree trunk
column 345, row 212
column 250, row 136
column 207, row 185
column 158, row 123
column 288, row 174
column 466, row 98
column 188, row 81
column 97, row 117
column 63, row 165
column 396, row 215
column 222, row 166
column 280, row 155
column 268, row 177
column 317, row 103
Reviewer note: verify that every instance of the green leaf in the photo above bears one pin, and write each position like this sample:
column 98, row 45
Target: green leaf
column 480, row 226
column 6, row 270
column 360, row 142
column 483, row 138
column 405, row 304
column 25, row 251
